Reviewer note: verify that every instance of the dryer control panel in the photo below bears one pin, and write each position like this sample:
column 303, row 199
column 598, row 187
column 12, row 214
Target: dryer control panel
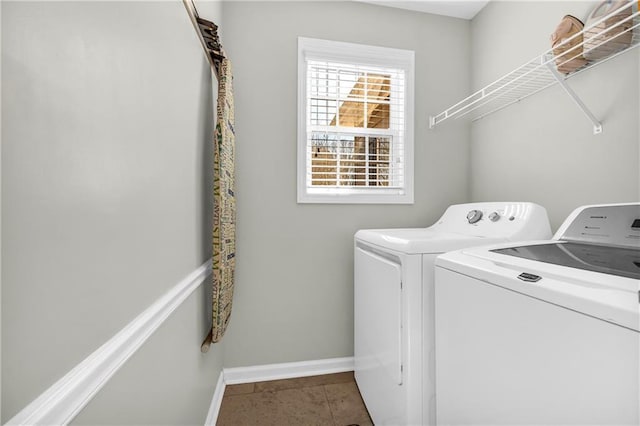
column 613, row 225
column 511, row 221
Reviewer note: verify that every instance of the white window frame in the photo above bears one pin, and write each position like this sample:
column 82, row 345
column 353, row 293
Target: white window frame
column 351, row 53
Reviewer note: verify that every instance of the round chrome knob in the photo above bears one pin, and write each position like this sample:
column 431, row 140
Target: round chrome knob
column 494, row 217
column 474, row 216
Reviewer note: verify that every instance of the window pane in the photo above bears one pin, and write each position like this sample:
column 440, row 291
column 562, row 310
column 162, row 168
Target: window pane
column 378, row 87
column 350, row 160
column 378, row 97
column 322, row 112
column 346, row 160
column 323, row 81
column 324, row 159
column 379, row 156
column 352, row 114
column 342, row 95
column 359, row 162
column 351, row 84
column 377, row 116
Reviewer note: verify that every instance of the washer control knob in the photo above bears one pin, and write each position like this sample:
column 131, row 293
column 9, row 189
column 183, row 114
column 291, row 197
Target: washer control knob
column 474, row 216
column 494, row 217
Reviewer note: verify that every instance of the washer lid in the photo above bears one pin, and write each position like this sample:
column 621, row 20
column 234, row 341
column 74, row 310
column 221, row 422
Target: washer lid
column 620, row 261
column 609, row 297
column 420, row 240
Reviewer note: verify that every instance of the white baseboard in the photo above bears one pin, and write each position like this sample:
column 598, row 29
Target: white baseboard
column 288, row 370
column 261, row 373
column 59, row 404
column 216, row 401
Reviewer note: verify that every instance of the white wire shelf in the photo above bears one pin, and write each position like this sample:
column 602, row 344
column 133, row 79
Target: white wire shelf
column 541, row 73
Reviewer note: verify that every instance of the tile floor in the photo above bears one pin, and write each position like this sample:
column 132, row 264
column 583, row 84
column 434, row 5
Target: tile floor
column 331, row 399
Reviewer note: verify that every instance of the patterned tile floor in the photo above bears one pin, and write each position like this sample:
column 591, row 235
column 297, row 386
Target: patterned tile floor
column 331, row 400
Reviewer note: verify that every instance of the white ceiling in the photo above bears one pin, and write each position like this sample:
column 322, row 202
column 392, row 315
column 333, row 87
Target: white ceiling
column 465, row 9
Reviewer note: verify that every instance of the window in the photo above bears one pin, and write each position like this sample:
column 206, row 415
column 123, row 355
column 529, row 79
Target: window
column 355, row 123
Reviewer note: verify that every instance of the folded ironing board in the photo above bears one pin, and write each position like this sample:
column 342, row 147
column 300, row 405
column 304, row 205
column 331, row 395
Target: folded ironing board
column 224, row 209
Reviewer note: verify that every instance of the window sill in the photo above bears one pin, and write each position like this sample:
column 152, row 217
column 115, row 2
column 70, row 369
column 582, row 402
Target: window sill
column 391, row 196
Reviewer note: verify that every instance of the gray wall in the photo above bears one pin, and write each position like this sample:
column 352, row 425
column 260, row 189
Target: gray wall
column 106, row 113
column 543, row 149
column 294, row 285
column 107, row 122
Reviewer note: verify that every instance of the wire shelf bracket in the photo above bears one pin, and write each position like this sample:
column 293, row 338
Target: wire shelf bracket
column 597, row 126
column 540, row 73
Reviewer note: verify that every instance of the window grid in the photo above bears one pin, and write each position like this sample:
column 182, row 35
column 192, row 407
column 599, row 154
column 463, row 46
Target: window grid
column 333, row 87
column 352, row 161
column 355, row 123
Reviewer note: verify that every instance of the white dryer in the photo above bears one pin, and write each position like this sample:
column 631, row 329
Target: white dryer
column 546, row 332
column 393, row 292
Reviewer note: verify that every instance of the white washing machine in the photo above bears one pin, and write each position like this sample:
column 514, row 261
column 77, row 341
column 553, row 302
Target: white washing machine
column 393, row 293
column 544, row 333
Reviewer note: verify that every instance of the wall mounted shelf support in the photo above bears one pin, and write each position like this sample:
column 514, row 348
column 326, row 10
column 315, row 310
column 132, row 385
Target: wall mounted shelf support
column 597, row 126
